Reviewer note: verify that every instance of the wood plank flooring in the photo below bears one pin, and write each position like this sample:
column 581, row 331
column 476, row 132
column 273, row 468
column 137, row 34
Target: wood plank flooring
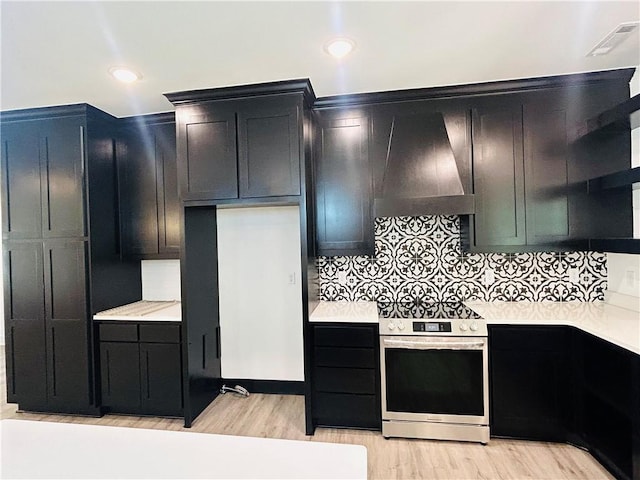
column 282, row 416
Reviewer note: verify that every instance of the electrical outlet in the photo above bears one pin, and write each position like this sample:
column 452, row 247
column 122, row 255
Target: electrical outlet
column 630, row 278
column 292, row 278
column 489, row 277
column 342, row 278
column 574, row 275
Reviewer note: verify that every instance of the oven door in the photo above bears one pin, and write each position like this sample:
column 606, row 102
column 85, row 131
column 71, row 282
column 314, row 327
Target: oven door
column 435, row 379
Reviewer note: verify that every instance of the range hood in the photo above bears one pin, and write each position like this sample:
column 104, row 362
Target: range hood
column 421, row 175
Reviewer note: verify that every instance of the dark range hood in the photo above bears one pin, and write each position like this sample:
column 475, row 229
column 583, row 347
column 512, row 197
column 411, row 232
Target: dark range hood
column 421, row 176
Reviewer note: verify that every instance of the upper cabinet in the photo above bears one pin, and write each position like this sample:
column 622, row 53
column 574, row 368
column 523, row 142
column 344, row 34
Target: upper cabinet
column 530, row 176
column 343, row 184
column 498, row 174
column 235, row 148
column 150, row 210
column 43, row 164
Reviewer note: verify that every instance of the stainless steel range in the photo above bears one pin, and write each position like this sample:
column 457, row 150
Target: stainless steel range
column 434, row 372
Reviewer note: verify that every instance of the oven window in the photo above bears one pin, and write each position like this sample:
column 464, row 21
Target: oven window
column 434, row 381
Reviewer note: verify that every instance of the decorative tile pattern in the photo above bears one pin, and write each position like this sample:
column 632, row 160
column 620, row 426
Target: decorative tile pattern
column 419, row 259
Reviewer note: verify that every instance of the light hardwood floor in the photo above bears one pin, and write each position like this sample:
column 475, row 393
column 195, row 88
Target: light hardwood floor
column 282, row 416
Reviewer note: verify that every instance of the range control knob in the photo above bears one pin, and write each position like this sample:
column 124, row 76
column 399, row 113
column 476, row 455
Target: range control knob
column 391, row 326
column 401, row 325
column 464, row 327
column 474, row 326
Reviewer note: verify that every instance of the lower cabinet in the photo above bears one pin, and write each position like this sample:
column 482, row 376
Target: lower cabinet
column 346, row 376
column 609, row 402
column 529, row 394
column 555, row 383
column 140, row 366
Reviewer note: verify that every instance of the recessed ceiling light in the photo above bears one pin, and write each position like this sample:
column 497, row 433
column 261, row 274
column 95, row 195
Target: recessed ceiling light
column 124, row 74
column 340, row 47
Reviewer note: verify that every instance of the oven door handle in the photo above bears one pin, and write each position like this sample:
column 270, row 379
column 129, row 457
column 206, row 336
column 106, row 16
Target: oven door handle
column 427, row 345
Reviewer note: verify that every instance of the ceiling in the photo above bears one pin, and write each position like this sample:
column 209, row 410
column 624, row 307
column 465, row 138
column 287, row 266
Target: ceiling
column 60, row 52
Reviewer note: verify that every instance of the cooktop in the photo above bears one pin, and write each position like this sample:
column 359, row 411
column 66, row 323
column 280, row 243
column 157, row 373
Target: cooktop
column 434, row 310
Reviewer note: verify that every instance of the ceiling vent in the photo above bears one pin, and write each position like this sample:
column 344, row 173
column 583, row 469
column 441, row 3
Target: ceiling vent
column 615, row 38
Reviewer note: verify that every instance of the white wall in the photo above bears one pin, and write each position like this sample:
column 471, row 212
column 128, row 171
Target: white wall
column 160, row 279
column 260, row 293
column 1, row 289
column 623, row 274
column 634, row 87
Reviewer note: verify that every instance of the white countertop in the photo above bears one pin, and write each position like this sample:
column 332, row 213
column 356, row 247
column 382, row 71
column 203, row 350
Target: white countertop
column 144, row 310
column 352, row 312
column 619, row 326
column 32, row 449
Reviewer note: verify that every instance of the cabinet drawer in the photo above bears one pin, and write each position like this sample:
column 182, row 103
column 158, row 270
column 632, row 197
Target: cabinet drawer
column 344, row 410
column 345, row 357
column 548, row 338
column 162, row 333
column 112, row 332
column 345, row 336
column 345, row 380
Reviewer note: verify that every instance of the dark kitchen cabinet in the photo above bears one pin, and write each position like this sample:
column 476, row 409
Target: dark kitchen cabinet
column 521, row 169
column 555, row 383
column 120, row 376
column 149, row 187
column 141, row 370
column 498, row 176
column 529, row 374
column 343, row 180
column 530, row 176
column 607, row 400
column 240, row 149
column 25, row 327
column 62, row 255
column 346, row 376
column 43, row 168
column 48, row 340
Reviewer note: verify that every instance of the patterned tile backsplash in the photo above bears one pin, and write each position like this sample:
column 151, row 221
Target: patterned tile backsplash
column 418, row 259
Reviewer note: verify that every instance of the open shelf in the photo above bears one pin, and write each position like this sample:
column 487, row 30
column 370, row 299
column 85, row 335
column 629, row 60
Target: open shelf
column 614, row 180
column 622, row 117
column 615, row 245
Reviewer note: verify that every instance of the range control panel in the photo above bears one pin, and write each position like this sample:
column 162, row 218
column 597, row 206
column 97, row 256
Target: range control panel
column 431, row 326
column 453, row 327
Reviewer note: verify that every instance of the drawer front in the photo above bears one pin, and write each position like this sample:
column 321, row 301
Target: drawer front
column 345, row 336
column 345, row 357
column 551, row 338
column 160, row 333
column 115, row 332
column 345, row 380
column 344, row 410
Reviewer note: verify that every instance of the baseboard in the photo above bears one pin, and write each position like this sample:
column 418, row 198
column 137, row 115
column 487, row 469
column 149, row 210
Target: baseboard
column 283, row 387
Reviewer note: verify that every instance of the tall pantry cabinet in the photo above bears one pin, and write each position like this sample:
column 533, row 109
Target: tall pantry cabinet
column 61, row 248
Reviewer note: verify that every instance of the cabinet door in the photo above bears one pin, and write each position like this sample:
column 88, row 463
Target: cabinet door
column 25, row 330
column 62, row 167
column 498, row 176
column 168, row 201
column 546, row 173
column 120, row 376
column 68, row 347
column 344, row 187
column 208, row 168
column 528, row 382
column 21, row 192
column 139, row 192
column 161, row 375
column 269, row 151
